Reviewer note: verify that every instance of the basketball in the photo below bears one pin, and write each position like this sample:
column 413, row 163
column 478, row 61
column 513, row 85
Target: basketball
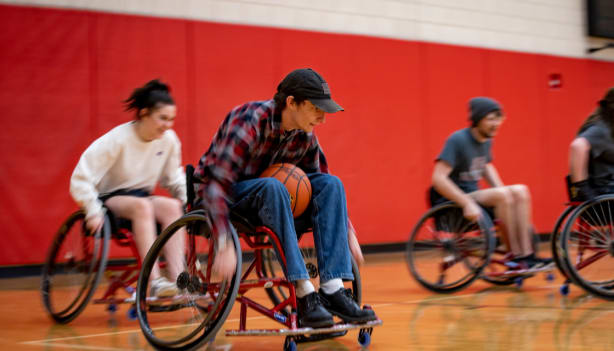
column 296, row 182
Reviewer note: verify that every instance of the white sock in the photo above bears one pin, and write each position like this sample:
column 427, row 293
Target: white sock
column 304, row 288
column 331, row 286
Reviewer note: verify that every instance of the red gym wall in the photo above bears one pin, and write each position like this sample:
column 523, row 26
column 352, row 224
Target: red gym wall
column 63, row 75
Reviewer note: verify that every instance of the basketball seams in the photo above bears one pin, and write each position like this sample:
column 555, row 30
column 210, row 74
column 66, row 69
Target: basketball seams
column 286, row 171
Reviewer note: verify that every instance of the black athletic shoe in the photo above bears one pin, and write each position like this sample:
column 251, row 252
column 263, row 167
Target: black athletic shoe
column 545, row 261
column 341, row 303
column 311, row 313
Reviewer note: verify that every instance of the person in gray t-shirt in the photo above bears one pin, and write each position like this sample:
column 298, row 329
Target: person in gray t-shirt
column 591, row 153
column 464, row 160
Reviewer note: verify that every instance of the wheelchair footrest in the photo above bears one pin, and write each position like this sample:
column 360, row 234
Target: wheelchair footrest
column 526, row 272
column 337, row 328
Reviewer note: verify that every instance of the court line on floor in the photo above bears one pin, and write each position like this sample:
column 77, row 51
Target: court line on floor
column 120, row 332
column 228, row 320
column 52, row 342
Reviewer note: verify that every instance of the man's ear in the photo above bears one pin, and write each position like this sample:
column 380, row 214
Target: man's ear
column 290, row 102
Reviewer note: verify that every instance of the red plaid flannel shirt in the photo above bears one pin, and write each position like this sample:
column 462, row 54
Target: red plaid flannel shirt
column 249, row 140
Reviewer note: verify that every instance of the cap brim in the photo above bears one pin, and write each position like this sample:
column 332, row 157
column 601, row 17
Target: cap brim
column 326, row 105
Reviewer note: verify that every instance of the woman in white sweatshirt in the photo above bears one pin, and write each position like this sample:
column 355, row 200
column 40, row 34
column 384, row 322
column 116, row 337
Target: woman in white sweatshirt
column 120, row 170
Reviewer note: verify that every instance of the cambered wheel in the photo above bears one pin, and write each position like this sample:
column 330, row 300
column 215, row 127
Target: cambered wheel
column 447, row 252
column 203, row 302
column 587, row 246
column 74, row 266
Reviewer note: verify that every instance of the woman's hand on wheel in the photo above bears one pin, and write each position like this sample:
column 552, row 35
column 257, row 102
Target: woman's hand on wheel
column 94, row 223
column 225, row 262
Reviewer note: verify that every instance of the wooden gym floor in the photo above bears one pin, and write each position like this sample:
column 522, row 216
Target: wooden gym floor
column 481, row 317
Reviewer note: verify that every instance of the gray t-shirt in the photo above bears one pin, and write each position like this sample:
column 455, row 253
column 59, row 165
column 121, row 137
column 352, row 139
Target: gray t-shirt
column 601, row 161
column 467, row 157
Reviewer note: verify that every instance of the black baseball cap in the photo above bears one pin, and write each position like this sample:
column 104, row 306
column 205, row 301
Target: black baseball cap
column 307, row 83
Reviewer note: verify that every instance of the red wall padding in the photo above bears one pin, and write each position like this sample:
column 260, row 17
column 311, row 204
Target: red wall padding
column 65, row 73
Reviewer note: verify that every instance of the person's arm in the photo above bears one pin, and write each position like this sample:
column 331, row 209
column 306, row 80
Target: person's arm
column 93, row 164
column 492, row 176
column 173, row 176
column 220, row 166
column 579, row 152
column 446, row 188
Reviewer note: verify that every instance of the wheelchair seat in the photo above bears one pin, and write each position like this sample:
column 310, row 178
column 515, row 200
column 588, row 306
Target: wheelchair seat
column 120, row 226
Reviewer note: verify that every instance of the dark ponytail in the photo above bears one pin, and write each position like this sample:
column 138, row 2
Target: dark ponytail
column 149, row 96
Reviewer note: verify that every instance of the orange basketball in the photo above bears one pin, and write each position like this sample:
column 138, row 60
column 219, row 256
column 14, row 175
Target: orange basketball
column 296, row 182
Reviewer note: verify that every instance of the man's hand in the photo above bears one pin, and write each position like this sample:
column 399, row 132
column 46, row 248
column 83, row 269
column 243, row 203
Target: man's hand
column 354, row 246
column 472, row 211
column 94, row 223
column 225, row 262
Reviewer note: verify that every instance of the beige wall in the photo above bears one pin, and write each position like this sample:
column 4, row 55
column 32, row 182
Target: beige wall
column 555, row 27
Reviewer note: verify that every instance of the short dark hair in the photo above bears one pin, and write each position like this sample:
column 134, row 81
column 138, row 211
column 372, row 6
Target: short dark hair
column 280, row 100
column 149, row 96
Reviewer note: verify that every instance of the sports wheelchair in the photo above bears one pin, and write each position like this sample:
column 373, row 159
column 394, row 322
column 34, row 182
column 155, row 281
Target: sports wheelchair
column 77, row 261
column 446, row 252
column 194, row 316
column 583, row 245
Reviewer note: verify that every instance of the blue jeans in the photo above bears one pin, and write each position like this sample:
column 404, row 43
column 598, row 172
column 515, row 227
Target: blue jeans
column 267, row 201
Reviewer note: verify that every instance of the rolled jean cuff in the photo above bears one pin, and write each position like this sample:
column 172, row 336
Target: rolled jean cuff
column 343, row 276
column 296, row 277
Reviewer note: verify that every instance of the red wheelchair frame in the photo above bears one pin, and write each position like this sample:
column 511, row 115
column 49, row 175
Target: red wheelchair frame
column 211, row 300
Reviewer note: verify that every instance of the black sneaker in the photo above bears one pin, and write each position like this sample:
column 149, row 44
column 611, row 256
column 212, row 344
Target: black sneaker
column 311, row 313
column 545, row 261
column 341, row 303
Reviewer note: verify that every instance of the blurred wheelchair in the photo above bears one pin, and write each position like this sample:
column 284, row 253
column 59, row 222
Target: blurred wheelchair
column 194, row 316
column 447, row 252
column 583, row 245
column 78, row 259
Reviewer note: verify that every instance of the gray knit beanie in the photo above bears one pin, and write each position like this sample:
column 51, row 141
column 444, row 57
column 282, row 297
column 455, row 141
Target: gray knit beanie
column 479, row 107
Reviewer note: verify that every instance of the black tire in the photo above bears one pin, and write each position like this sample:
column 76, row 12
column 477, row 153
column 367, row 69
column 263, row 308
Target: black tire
column 204, row 302
column 555, row 240
column 271, row 268
column 73, row 268
column 443, row 243
column 587, row 246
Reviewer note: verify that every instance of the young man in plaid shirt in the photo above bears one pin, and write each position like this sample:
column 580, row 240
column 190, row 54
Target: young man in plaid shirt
column 256, row 135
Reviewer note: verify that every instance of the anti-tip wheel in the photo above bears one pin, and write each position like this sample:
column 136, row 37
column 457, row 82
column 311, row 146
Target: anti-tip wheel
column 289, row 345
column 364, row 338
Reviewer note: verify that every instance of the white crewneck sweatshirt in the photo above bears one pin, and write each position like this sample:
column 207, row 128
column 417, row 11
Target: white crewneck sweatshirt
column 120, row 159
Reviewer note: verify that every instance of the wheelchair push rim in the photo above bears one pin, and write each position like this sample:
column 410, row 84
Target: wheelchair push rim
column 195, row 314
column 447, row 252
column 73, row 268
column 587, row 246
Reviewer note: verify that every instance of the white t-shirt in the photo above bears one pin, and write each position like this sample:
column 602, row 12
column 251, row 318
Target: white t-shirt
column 120, row 159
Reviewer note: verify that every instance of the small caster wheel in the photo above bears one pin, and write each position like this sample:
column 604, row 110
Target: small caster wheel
column 518, row 282
column 289, row 345
column 549, row 277
column 564, row 290
column 364, row 338
column 132, row 313
column 112, row 308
